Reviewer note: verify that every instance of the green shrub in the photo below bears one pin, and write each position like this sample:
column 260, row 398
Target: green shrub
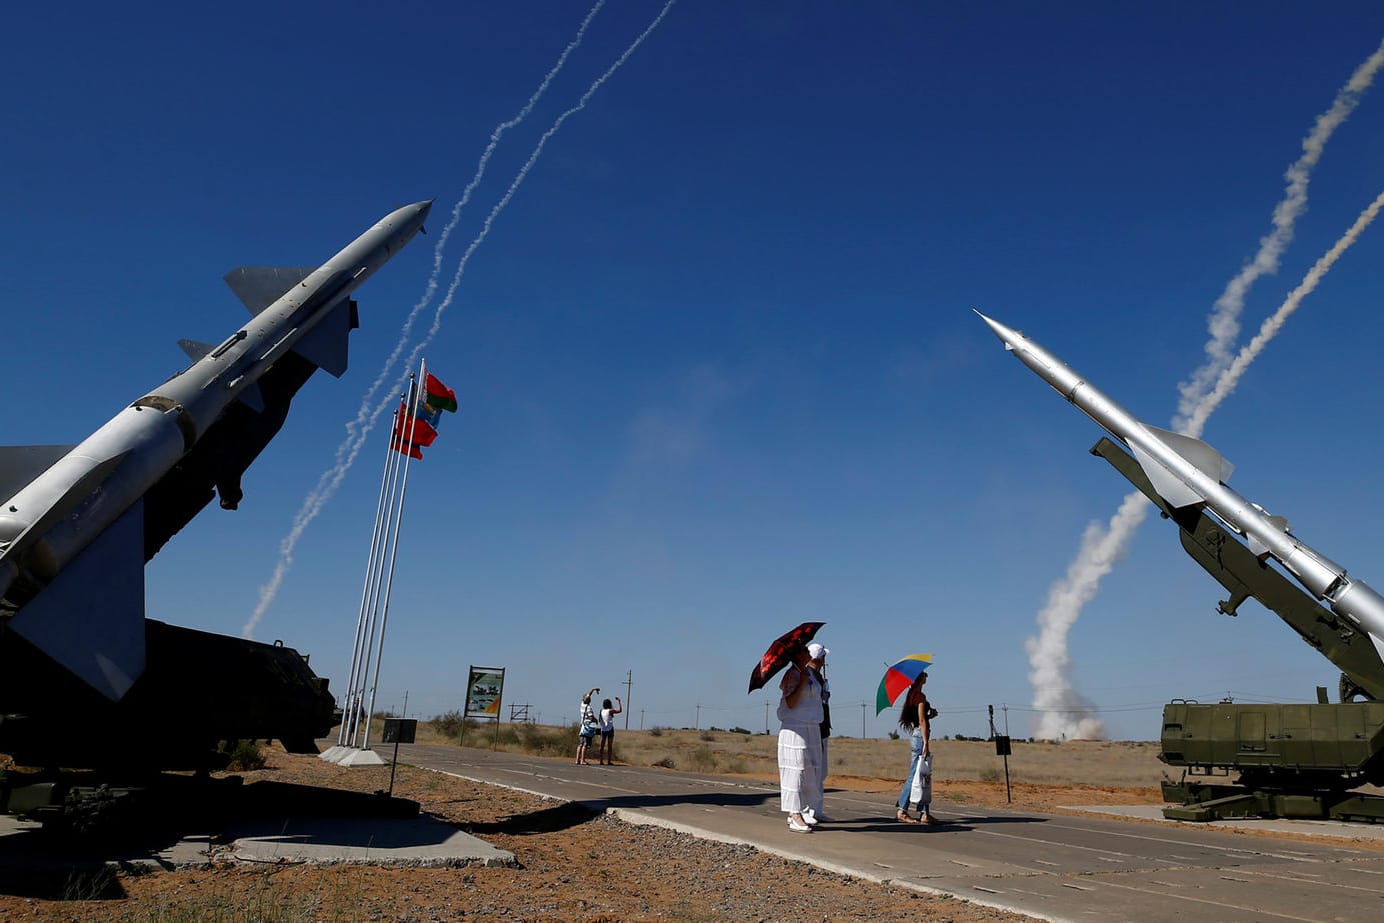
column 245, row 755
column 449, row 724
column 702, row 759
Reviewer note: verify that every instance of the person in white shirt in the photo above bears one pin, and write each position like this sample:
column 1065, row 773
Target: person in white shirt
column 605, row 753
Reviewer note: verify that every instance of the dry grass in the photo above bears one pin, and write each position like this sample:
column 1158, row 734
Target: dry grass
column 1117, row 764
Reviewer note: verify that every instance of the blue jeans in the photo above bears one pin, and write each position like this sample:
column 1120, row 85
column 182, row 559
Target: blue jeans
column 916, row 741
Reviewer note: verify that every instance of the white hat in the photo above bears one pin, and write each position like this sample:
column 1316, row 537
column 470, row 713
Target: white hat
column 816, row 651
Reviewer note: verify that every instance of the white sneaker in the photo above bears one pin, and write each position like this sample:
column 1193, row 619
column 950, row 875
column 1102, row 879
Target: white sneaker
column 797, row 827
column 809, row 817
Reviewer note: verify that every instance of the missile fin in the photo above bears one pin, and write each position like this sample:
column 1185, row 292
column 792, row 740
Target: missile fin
column 260, row 286
column 1176, row 492
column 20, row 464
column 195, row 350
column 1205, row 458
column 90, row 618
column 326, row 344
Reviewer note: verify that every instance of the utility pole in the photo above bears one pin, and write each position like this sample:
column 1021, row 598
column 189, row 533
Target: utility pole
column 405, row 712
column 629, row 696
column 698, row 723
column 641, row 719
column 766, row 717
column 862, row 719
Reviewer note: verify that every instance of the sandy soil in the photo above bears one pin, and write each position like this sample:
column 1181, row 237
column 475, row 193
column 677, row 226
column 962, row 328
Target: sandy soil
column 571, row 866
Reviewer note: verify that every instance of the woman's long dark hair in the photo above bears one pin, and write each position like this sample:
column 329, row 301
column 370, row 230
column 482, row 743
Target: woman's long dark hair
column 908, row 715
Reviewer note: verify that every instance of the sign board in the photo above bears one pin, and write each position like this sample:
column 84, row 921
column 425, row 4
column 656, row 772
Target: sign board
column 400, row 730
column 1002, row 746
column 483, row 691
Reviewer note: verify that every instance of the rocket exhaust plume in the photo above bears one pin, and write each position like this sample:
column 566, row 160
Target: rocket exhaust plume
column 367, row 417
column 1064, row 713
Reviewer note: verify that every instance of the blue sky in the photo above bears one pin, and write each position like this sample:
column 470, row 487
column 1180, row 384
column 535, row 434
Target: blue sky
column 716, row 358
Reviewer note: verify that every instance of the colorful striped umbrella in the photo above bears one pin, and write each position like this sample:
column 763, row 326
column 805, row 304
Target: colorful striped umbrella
column 898, row 678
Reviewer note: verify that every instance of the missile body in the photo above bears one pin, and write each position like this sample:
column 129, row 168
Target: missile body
column 1188, row 472
column 72, row 532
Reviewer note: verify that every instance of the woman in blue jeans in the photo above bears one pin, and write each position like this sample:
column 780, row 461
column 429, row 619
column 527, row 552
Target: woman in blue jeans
column 916, row 717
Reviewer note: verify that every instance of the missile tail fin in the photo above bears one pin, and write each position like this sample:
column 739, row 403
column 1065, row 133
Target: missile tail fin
column 90, row 618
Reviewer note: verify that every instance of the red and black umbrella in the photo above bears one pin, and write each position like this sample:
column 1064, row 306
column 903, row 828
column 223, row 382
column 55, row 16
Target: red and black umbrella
column 780, row 653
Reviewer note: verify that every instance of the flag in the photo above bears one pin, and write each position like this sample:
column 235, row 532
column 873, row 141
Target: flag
column 439, row 395
column 412, row 451
column 422, row 418
column 422, row 431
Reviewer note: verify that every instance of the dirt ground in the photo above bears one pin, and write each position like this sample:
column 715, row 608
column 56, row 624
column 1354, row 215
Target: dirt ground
column 571, row 866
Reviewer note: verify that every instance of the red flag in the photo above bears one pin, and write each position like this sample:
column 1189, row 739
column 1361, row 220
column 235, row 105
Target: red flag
column 412, row 451
column 438, row 394
column 423, row 432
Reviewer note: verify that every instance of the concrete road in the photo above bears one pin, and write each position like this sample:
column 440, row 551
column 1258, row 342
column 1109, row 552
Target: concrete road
column 1056, row 867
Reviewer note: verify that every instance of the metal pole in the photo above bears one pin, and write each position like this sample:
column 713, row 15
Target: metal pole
column 698, row 723
column 351, row 705
column 363, row 679
column 863, row 706
column 629, row 696
column 393, row 557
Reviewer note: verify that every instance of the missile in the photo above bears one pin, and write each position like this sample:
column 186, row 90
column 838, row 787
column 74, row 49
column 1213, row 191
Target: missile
column 1187, row 472
column 81, row 522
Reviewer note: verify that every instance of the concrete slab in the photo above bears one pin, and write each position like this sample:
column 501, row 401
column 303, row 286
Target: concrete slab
column 420, row 841
column 355, row 756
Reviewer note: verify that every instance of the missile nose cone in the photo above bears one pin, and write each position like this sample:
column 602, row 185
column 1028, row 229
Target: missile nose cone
column 1007, row 336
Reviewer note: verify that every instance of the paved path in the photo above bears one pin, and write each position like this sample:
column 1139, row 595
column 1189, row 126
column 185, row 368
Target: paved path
column 1057, row 867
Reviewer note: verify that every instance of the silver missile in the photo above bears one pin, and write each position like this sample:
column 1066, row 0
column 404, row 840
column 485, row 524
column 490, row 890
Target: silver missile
column 74, row 536
column 1188, row 472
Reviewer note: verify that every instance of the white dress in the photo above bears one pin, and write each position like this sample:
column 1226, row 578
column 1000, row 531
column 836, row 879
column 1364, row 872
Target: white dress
column 800, row 748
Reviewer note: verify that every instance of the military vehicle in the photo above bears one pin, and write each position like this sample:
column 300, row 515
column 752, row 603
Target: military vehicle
column 1306, row 760
column 1290, row 760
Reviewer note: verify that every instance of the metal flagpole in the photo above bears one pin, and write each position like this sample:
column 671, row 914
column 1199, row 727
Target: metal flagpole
column 363, row 679
column 367, row 681
column 394, row 543
column 349, row 706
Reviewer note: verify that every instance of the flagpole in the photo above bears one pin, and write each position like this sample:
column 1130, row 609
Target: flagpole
column 394, row 542
column 349, row 716
column 366, row 681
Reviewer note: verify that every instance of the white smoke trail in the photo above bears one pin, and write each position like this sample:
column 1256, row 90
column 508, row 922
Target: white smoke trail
column 367, row 417
column 1063, row 713
column 354, row 426
column 1223, row 323
column 1225, row 385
